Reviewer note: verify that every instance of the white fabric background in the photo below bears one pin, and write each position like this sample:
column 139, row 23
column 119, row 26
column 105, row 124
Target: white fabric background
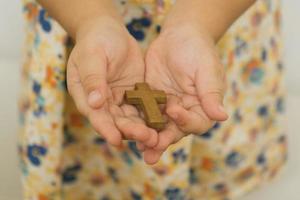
column 11, row 37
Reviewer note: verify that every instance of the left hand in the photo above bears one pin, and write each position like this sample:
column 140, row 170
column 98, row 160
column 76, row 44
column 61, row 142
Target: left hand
column 184, row 62
column 106, row 61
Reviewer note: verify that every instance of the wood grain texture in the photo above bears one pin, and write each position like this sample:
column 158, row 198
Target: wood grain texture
column 148, row 101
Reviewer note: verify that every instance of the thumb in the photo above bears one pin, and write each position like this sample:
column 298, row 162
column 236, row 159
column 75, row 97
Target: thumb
column 210, row 87
column 92, row 68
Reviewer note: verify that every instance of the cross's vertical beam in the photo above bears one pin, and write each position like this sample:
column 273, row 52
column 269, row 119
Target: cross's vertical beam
column 147, row 100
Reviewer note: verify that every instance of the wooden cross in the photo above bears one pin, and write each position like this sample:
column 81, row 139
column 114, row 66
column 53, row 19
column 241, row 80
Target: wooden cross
column 147, row 100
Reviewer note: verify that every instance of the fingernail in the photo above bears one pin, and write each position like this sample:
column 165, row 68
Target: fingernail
column 94, row 98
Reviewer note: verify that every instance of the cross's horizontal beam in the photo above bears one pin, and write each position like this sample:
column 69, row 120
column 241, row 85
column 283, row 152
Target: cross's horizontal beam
column 147, row 100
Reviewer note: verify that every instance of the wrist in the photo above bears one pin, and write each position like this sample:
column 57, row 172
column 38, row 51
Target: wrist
column 96, row 24
column 72, row 16
column 215, row 16
column 189, row 28
column 210, row 27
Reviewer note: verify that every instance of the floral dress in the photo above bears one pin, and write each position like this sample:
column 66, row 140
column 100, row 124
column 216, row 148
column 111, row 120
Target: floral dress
column 62, row 158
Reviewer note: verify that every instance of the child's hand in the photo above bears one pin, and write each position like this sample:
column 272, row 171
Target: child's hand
column 104, row 63
column 184, row 62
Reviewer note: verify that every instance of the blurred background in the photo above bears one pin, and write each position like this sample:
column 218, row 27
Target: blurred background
column 11, row 38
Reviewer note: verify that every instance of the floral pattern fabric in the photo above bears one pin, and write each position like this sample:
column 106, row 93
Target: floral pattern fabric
column 62, row 158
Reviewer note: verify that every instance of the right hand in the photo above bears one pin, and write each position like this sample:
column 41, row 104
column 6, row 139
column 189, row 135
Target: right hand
column 184, row 62
column 104, row 63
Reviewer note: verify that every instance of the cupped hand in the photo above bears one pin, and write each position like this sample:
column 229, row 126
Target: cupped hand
column 184, row 62
column 105, row 62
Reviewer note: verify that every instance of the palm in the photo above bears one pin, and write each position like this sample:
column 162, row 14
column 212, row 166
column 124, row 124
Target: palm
column 174, row 64
column 128, row 70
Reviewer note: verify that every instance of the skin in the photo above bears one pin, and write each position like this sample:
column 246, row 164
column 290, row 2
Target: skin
column 194, row 82
column 106, row 61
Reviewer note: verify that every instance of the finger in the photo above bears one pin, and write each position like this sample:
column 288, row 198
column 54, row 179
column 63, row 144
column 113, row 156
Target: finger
column 169, row 136
column 76, row 90
column 210, row 85
column 177, row 112
column 133, row 131
column 118, row 94
column 151, row 156
column 132, row 128
column 132, row 113
column 194, row 120
column 103, row 123
column 172, row 107
column 92, row 68
column 152, row 141
column 130, row 110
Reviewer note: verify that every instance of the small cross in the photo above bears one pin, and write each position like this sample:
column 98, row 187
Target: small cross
column 147, row 100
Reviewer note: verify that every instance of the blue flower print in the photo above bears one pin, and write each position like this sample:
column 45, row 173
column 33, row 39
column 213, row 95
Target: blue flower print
column 36, row 87
column 210, row 132
column 233, row 159
column 179, row 155
column 261, row 159
column 133, row 148
column 257, row 75
column 69, row 175
column 263, row 111
column 174, row 193
column 136, row 27
column 35, row 152
column 44, row 21
column 135, row 196
column 193, row 179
